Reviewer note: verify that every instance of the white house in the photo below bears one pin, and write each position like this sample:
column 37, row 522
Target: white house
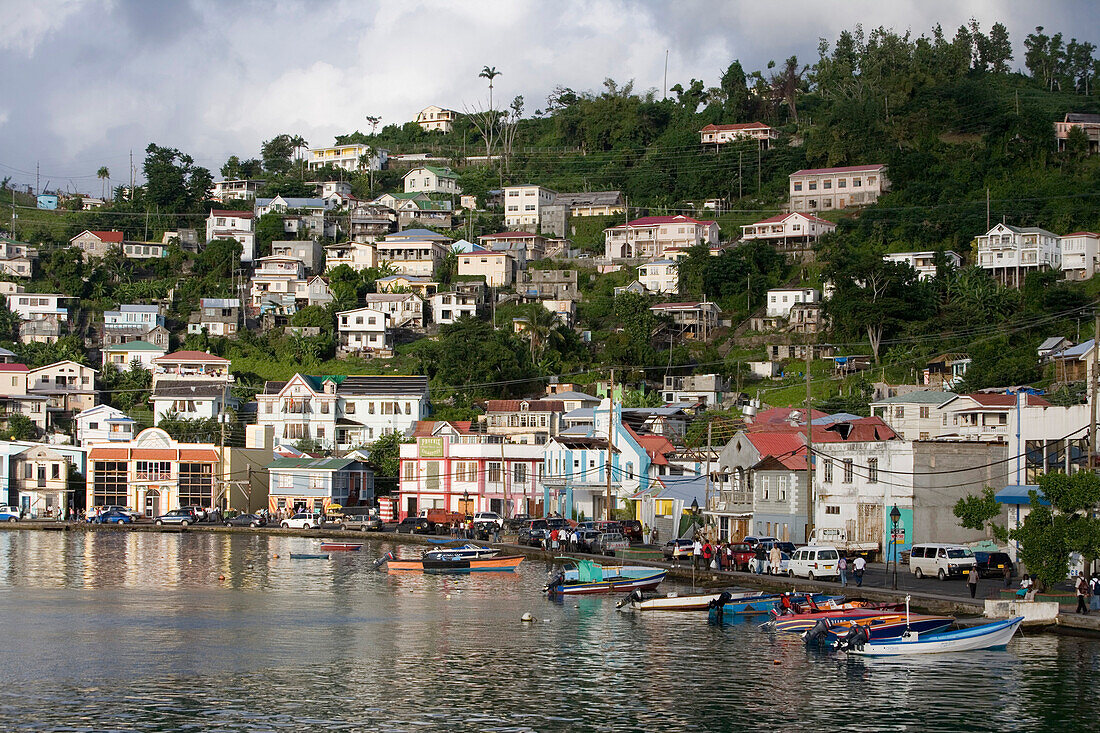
column 124, row 355
column 103, row 424
column 1080, row 253
column 216, row 316
column 403, row 309
column 924, row 262
column 191, row 384
column 1010, row 252
column 415, row 252
column 235, row 225
column 364, row 331
column 430, row 179
column 350, row 157
column 38, row 306
column 722, row 134
column 660, row 276
column 342, row 412
column 781, row 300
column 789, row 231
column 652, row 236
column 523, row 205
column 238, row 189
column 433, row 118
column 827, row 189
column 314, row 484
column 356, row 255
column 498, row 268
column 916, row 415
column 276, row 275
column 449, row 307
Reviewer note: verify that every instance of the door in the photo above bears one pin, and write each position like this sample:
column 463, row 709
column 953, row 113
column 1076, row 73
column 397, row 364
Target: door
column 432, row 483
column 870, row 523
column 152, row 503
column 410, row 506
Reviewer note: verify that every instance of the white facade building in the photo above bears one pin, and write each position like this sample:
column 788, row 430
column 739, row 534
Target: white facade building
column 828, row 189
column 449, row 307
column 433, row 118
column 403, row 309
column 1080, row 253
column 364, row 331
column 430, row 179
column 349, row 157
column 1010, row 252
column 235, row 225
column 523, row 206
column 924, row 262
column 781, row 300
column 660, row 276
column 103, row 424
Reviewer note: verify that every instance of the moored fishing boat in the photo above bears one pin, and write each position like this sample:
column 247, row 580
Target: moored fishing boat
column 465, row 552
column 307, row 556
column 497, row 563
column 878, row 626
column 342, row 546
column 673, row 601
column 589, row 577
column 764, row 603
column 994, row 635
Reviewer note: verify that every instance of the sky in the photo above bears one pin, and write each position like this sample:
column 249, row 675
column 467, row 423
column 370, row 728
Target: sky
column 87, row 81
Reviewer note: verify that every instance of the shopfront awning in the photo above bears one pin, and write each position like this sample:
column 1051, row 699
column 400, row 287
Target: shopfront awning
column 1020, row 494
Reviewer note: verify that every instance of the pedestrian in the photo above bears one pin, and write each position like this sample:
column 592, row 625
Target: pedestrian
column 708, row 555
column 972, row 580
column 1082, row 589
column 761, row 558
column 1094, row 588
column 554, row 539
column 696, row 552
column 858, row 566
column 496, row 532
column 842, row 568
column 729, row 557
column 775, row 560
column 655, row 539
column 645, row 532
column 1025, row 586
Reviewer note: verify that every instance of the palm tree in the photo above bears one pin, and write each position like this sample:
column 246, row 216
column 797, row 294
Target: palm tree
column 103, row 174
column 489, row 73
column 299, row 142
column 373, row 120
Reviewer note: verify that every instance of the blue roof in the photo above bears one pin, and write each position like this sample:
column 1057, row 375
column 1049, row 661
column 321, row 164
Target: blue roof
column 1020, row 494
column 415, row 233
column 686, row 488
column 838, row 417
column 1081, row 349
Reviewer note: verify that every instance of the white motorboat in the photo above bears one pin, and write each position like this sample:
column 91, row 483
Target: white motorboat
column 993, row 635
column 675, row 602
column 468, row 551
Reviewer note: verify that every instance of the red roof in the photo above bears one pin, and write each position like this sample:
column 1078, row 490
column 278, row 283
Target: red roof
column 425, row 428
column 109, row 236
column 861, row 430
column 783, row 217
column 1005, row 400
column 13, row 368
column 238, row 214
column 655, row 445
column 841, row 169
column 650, row 221
column 779, row 416
column 739, row 126
column 190, row 356
column 1082, row 234
column 532, row 405
column 507, row 235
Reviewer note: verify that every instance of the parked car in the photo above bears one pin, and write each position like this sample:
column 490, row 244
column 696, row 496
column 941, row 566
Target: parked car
column 742, row 554
column 993, row 564
column 813, row 562
column 632, row 528
column 675, row 549
column 114, row 517
column 753, row 540
column 941, row 560
column 301, row 520
column 9, row 514
column 533, row 533
column 200, row 514
column 364, row 521
column 415, row 525
column 784, row 565
column 488, row 517
column 123, row 509
column 586, row 540
column 515, row 524
column 787, row 547
column 246, row 520
column 611, row 542
column 183, row 517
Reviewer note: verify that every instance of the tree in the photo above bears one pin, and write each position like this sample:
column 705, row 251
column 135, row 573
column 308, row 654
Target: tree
column 269, row 228
column 19, row 427
column 998, row 50
column 787, row 84
column 735, row 92
column 978, row 513
column 9, row 324
column 490, row 74
column 385, row 456
column 174, row 183
column 103, row 174
column 1049, row 534
column 373, row 120
column 276, row 153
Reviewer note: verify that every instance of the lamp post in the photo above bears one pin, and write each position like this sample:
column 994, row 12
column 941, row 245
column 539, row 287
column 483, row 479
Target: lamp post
column 466, row 503
column 895, row 515
column 695, row 509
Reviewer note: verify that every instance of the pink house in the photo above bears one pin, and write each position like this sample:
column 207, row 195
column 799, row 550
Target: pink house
column 651, row 236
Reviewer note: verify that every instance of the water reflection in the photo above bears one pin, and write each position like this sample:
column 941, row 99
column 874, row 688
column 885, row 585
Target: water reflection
column 136, row 631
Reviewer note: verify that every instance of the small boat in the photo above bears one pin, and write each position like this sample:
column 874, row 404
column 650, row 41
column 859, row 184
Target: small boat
column 307, row 556
column 342, row 546
column 497, row 563
column 880, row 626
column 995, row 635
column 673, row 601
column 465, row 552
column 765, row 603
column 589, row 577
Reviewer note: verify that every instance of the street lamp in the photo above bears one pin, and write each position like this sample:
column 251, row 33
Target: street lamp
column 895, row 515
column 466, row 502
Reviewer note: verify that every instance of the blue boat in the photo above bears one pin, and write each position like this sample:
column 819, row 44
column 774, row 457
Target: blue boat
column 763, row 603
column 994, row 635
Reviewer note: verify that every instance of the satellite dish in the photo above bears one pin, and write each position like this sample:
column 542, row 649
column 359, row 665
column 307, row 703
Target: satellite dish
column 749, row 410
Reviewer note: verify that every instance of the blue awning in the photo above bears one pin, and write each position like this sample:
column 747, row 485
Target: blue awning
column 1019, row 494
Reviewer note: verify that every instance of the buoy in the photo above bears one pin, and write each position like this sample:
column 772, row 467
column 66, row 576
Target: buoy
column 527, row 617
column 221, row 577
column 776, row 661
column 249, row 566
column 448, row 596
column 276, row 555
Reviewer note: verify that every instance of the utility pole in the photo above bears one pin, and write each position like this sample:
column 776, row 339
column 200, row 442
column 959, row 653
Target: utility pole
column 610, row 435
column 740, row 153
column 37, row 180
column 758, row 169
column 987, row 208
column 221, row 442
column 131, row 174
column 706, row 498
column 665, row 94
column 1094, row 382
column 809, row 446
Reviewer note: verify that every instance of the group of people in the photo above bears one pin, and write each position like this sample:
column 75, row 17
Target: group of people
column 857, row 565
column 1088, row 593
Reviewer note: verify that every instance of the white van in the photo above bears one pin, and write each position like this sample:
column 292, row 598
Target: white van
column 813, row 562
column 943, row 561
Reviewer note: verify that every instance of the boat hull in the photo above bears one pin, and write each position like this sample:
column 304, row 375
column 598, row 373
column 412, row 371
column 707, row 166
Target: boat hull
column 763, row 604
column 995, row 635
column 466, row 552
column 307, row 556
column 610, row 584
column 484, row 564
column 892, row 627
column 341, row 546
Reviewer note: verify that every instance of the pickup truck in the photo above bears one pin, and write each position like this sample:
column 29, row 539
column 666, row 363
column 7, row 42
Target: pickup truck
column 441, row 517
column 838, row 538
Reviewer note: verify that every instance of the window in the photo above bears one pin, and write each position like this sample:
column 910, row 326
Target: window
column 410, row 471
column 828, row 470
column 899, row 412
column 813, row 185
column 93, row 426
column 827, row 184
column 154, row 471
column 842, row 183
column 766, row 486
column 856, row 183
column 832, row 510
column 924, row 413
column 349, row 408
column 847, row 470
column 797, row 186
column 924, row 436
column 324, row 408
column 872, row 471
column 494, row 473
column 519, row 473
column 109, row 483
column 196, row 484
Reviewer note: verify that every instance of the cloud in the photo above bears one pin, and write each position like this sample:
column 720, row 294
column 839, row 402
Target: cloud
column 28, row 23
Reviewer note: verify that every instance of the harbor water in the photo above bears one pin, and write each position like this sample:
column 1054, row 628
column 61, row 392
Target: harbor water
column 135, row 631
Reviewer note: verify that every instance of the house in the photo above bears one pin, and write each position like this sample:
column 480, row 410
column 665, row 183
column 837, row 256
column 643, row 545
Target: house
column 450, row 469
column 430, row 179
column 351, row 157
column 433, row 118
column 781, row 300
column 68, row 386
column 788, row 232
column 785, row 352
column 523, row 205
column 358, row 256
column 235, row 225
column 924, row 262
column 532, row 246
column 422, row 286
column 660, row 276
column 185, row 239
column 236, row 190
column 405, row 310
column 946, row 371
column 448, row 307
column 829, row 189
column 38, row 481
column 216, row 316
column 307, row 250
column 564, row 310
column 1074, row 363
column 314, row 484
column 393, row 201
column 718, row 135
column 709, row 389
column 15, row 400
column 425, row 213
column 551, row 285
column 276, row 275
column 315, row 291
column 1080, row 253
column 651, row 236
column 416, row 252
column 915, row 415
column 1009, row 252
column 154, row 473
column 366, row 221
column 17, row 258
column 342, row 412
column 530, row 422
column 125, row 355
column 144, row 250
column 364, row 331
column 592, row 203
column 96, row 244
column 499, row 269
column 103, row 424
column 634, row 287
column 694, row 321
column 191, row 384
column 301, row 215
column 1051, row 347
column 1088, row 123
column 991, row 416
column 91, row 203
column 7, row 356
column 134, row 322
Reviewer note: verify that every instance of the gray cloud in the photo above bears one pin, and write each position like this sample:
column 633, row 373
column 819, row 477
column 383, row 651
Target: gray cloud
column 86, row 82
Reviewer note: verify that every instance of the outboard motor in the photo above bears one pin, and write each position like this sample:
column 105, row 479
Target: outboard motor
column 635, row 596
column 818, row 633
column 720, row 602
column 856, row 637
column 555, row 582
column 384, row 558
